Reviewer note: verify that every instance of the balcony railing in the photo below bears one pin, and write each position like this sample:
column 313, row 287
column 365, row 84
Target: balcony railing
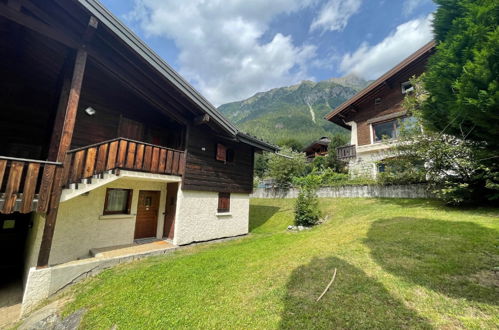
column 25, row 184
column 346, row 152
column 121, row 153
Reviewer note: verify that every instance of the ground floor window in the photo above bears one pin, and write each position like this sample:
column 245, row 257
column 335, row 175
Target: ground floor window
column 118, row 201
column 223, row 202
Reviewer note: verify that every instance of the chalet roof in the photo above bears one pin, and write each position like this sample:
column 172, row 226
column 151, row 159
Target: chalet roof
column 141, row 49
column 370, row 90
column 323, row 141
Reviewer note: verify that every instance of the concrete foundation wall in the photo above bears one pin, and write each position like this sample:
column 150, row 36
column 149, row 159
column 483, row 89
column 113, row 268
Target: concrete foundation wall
column 197, row 218
column 364, row 164
column 395, row 191
column 42, row 283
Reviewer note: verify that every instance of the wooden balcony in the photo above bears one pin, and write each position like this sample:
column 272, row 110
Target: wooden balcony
column 346, row 152
column 121, row 153
column 25, row 184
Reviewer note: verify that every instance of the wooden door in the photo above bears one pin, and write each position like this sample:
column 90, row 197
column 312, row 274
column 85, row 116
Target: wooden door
column 171, row 206
column 131, row 129
column 146, row 222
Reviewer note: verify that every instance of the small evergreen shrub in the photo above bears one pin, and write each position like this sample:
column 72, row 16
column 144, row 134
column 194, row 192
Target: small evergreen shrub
column 307, row 212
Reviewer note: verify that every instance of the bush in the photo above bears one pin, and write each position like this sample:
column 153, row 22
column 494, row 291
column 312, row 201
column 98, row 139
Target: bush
column 307, row 212
column 401, row 170
column 331, row 178
column 285, row 166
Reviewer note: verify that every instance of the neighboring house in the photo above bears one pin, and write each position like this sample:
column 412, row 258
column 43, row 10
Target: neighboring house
column 374, row 115
column 317, row 148
column 102, row 143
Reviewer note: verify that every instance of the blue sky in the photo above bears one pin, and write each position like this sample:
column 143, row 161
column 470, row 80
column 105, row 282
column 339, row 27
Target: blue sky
column 231, row 49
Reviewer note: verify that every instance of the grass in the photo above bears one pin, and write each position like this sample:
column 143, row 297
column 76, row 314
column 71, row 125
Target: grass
column 400, row 264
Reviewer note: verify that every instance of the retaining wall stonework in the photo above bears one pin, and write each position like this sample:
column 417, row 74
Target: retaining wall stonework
column 394, row 191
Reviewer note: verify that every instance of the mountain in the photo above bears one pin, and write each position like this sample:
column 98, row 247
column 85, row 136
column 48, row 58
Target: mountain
column 295, row 111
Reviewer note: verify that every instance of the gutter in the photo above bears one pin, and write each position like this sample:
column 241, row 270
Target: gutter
column 253, row 141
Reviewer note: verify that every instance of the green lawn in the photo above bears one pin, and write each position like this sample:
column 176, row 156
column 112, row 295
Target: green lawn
column 400, row 264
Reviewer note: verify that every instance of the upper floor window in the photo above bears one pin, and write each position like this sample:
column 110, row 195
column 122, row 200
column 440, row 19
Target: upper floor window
column 224, row 154
column 385, row 130
column 407, row 87
column 390, row 129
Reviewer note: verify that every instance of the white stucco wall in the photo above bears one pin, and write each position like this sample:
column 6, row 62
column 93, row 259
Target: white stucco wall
column 33, row 242
column 80, row 225
column 197, row 219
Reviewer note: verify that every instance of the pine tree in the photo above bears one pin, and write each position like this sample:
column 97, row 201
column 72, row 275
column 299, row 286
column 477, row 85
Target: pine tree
column 462, row 77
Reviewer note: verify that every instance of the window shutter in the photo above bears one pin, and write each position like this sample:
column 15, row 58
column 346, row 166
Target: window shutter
column 221, row 152
column 223, row 202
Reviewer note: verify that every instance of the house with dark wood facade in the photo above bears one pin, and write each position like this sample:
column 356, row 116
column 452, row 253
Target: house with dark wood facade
column 317, row 148
column 374, row 115
column 102, row 143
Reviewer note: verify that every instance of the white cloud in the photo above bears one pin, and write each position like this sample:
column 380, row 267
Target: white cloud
column 370, row 62
column 220, row 44
column 409, row 6
column 334, row 15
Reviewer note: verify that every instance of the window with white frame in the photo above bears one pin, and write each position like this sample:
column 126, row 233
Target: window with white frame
column 386, row 130
column 390, row 129
column 407, row 87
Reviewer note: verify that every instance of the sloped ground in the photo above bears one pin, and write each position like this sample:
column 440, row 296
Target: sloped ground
column 400, row 264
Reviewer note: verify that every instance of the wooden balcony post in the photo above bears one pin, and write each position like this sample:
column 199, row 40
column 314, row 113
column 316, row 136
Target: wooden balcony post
column 64, row 143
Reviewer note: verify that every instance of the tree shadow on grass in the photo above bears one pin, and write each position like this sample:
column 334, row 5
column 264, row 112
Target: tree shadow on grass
column 354, row 300
column 453, row 258
column 260, row 214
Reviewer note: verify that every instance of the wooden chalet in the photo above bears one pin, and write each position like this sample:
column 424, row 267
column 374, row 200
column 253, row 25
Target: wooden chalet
column 103, row 143
column 317, row 148
column 374, row 114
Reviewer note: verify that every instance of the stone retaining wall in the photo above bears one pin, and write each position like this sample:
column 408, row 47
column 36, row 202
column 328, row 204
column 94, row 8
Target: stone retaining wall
column 393, row 191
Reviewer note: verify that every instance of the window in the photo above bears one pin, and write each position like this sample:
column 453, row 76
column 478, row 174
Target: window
column 407, row 87
column 385, row 130
column 381, row 167
column 223, row 202
column 118, row 201
column 221, row 152
column 224, row 154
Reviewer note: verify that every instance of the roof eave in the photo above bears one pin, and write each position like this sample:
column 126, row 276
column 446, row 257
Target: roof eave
column 389, row 74
column 254, row 142
column 134, row 42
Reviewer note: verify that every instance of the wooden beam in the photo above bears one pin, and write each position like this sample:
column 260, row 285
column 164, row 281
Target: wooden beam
column 72, row 105
column 203, row 119
column 63, row 147
column 61, row 108
column 37, row 26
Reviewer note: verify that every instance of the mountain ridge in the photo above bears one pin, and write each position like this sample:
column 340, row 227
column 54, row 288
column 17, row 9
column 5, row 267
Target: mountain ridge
column 295, row 111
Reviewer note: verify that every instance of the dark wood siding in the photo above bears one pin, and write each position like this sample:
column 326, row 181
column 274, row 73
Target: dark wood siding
column 204, row 173
column 30, row 67
column 391, row 101
column 115, row 104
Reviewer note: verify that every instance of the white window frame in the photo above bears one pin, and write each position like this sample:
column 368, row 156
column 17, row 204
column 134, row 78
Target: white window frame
column 404, row 89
